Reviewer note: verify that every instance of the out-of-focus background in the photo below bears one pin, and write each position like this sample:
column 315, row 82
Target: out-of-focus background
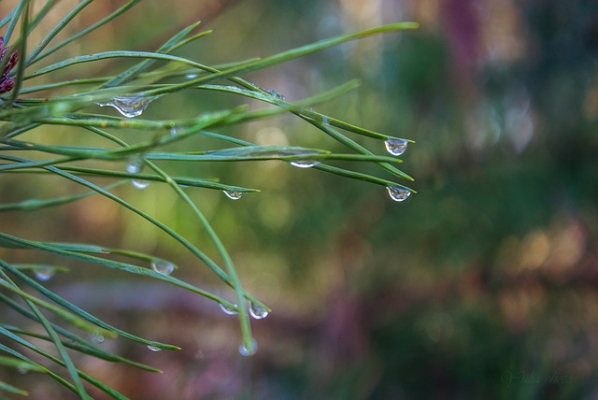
column 482, row 285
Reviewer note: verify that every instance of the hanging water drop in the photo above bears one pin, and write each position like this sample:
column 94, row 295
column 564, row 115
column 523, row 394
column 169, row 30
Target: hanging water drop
column 97, row 337
column 134, row 164
column 396, row 147
column 174, row 131
column 163, row 267
column 305, row 163
column 154, row 348
column 398, row 193
column 248, row 350
column 129, row 106
column 232, row 194
column 230, row 310
column 140, row 183
column 44, row 274
column 257, row 311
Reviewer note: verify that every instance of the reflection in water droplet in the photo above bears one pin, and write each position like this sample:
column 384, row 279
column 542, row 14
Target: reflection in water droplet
column 97, row 338
column 305, row 163
column 154, row 348
column 230, row 310
column 257, row 312
column 398, row 193
column 396, row 147
column 162, row 267
column 134, row 164
column 140, row 183
column 129, row 106
column 44, row 274
column 248, row 350
column 234, row 195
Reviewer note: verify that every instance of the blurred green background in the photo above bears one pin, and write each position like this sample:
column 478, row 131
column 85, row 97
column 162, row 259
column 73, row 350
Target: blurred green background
column 482, row 285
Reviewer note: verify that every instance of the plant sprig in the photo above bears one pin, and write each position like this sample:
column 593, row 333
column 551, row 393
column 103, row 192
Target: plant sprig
column 157, row 74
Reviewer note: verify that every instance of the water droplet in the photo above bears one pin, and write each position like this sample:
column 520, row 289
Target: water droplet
column 154, row 348
column 162, row 267
column 305, row 163
column 44, row 274
column 97, row 337
column 230, row 310
column 249, row 350
column 129, row 106
column 174, row 131
column 257, row 311
column 22, row 370
column 135, row 164
column 398, row 193
column 396, row 147
column 191, row 76
column 234, row 195
column 275, row 94
column 140, row 183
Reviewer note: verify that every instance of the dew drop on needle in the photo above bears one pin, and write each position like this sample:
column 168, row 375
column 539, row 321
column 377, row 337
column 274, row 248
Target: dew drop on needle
column 163, row 267
column 398, row 193
column 134, row 164
column 232, row 194
column 44, row 274
column 249, row 349
column 230, row 310
column 140, row 183
column 257, row 311
column 396, row 147
column 129, row 106
column 304, row 163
